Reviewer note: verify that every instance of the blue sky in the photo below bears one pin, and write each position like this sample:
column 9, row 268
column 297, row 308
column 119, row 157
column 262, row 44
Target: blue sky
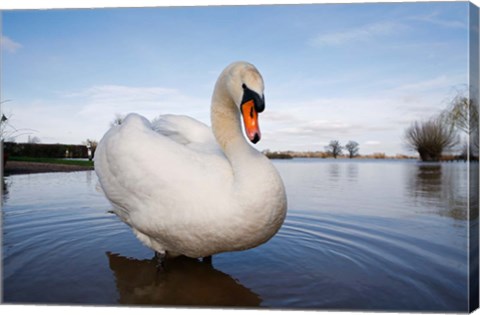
column 358, row 72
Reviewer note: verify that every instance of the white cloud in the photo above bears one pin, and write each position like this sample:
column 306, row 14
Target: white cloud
column 434, row 18
column 375, row 30
column 88, row 113
column 441, row 81
column 357, row 34
column 316, row 126
column 372, row 142
column 103, row 102
column 9, row 45
column 279, row 116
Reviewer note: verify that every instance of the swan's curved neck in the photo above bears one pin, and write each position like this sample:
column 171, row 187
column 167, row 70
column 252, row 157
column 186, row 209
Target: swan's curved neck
column 256, row 184
column 250, row 167
column 226, row 124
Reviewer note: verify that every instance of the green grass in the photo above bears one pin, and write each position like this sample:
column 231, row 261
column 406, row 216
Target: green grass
column 50, row 160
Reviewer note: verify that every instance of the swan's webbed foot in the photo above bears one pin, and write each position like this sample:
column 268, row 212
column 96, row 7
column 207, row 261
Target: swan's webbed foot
column 207, row 259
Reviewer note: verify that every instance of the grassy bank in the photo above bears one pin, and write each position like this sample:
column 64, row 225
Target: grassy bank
column 51, row 161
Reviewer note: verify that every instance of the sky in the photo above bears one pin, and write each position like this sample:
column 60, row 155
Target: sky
column 361, row 72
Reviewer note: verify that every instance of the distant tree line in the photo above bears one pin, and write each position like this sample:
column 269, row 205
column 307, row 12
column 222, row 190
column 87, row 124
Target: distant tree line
column 46, row 150
column 325, row 155
column 334, row 148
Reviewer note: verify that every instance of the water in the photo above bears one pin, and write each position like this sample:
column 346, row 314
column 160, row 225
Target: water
column 370, row 235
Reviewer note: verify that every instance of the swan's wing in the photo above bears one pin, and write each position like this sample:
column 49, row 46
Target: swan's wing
column 188, row 132
column 142, row 168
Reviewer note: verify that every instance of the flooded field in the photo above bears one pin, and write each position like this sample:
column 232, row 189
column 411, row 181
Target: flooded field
column 374, row 235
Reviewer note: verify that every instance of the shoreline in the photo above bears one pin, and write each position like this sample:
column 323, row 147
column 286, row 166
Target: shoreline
column 23, row 168
column 19, row 168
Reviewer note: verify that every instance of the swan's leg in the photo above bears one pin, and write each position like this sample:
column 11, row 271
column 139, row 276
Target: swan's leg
column 207, row 260
column 161, row 260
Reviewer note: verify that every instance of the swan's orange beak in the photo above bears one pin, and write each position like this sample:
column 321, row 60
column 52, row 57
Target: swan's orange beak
column 250, row 121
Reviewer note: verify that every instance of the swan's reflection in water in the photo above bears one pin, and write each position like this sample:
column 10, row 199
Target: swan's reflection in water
column 184, row 281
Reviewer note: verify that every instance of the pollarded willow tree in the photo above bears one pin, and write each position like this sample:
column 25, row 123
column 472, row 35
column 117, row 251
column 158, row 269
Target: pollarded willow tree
column 430, row 138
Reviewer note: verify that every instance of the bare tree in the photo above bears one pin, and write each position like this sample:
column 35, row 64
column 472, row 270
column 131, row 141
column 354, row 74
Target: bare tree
column 7, row 131
column 462, row 113
column 334, row 148
column 430, row 138
column 352, row 148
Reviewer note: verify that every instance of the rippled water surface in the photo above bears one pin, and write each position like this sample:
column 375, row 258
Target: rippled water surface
column 376, row 235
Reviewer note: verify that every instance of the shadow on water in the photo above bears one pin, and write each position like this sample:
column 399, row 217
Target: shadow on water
column 184, row 281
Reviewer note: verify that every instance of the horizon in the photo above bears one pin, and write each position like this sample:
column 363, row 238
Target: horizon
column 361, row 72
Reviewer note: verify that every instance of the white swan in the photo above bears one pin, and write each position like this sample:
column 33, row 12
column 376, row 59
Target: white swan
column 187, row 191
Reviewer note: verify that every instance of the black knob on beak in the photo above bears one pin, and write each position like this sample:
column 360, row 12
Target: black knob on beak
column 256, row 138
column 250, row 95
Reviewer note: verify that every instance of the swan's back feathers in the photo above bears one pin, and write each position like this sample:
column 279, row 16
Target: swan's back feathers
column 171, row 126
column 188, row 132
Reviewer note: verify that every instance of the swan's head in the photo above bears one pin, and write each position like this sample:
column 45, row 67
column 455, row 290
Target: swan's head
column 245, row 85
